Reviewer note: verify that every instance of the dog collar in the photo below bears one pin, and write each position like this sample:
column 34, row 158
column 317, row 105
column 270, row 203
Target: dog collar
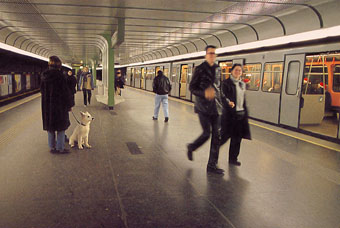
column 82, row 124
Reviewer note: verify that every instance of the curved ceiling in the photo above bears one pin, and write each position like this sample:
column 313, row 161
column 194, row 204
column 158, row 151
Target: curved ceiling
column 154, row 29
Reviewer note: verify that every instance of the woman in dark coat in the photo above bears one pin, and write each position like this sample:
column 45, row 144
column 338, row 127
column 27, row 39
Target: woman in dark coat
column 55, row 103
column 234, row 120
column 72, row 83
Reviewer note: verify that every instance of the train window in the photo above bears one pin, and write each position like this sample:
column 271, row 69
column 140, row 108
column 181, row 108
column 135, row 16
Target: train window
column 313, row 79
column 166, row 72
column 225, row 69
column 336, row 79
column 293, row 77
column 150, row 73
column 173, row 77
column 184, row 73
column 251, row 76
column 158, row 68
column 272, row 77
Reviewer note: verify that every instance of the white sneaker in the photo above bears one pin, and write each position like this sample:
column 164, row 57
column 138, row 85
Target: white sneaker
column 85, row 106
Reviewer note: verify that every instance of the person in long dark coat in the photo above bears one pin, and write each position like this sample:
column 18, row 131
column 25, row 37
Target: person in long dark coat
column 234, row 120
column 72, row 83
column 55, row 103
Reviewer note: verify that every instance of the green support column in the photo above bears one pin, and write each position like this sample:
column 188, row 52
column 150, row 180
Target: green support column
column 111, row 70
column 94, row 69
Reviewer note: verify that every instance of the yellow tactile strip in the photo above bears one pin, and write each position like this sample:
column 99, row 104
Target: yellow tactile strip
column 15, row 104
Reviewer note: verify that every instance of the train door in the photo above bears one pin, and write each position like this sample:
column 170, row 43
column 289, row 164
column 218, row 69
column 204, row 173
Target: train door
column 172, row 77
column 183, row 81
column 142, row 79
column 175, row 80
column 189, row 77
column 133, row 77
column 291, row 90
column 313, row 94
column 318, row 115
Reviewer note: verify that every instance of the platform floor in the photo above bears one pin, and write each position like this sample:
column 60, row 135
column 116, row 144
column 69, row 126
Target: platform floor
column 283, row 181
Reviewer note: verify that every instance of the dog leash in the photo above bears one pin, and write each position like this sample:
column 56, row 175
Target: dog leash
column 77, row 119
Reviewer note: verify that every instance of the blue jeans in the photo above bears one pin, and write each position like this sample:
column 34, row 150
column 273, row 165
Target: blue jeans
column 60, row 140
column 164, row 100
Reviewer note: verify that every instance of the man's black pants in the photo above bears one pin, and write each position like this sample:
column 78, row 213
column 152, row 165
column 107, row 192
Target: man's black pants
column 210, row 125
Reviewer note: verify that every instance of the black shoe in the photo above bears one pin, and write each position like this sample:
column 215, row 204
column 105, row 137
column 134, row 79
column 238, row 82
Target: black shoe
column 153, row 118
column 65, row 151
column 166, row 119
column 214, row 169
column 53, row 151
column 190, row 153
column 237, row 163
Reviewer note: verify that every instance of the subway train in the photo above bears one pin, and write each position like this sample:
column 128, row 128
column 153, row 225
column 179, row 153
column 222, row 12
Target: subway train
column 19, row 76
column 293, row 85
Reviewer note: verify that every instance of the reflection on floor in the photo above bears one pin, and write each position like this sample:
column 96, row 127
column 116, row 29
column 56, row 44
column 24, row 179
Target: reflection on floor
column 328, row 127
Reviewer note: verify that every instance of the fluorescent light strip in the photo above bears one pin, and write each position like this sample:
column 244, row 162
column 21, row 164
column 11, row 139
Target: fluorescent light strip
column 22, row 52
column 300, row 37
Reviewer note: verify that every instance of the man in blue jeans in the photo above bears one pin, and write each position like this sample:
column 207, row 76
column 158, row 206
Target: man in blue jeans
column 161, row 86
column 56, row 102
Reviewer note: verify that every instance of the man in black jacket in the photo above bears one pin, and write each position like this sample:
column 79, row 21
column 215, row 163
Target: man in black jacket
column 205, row 85
column 161, row 86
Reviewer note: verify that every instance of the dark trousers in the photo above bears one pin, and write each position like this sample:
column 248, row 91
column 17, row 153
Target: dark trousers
column 87, row 96
column 210, row 125
column 235, row 143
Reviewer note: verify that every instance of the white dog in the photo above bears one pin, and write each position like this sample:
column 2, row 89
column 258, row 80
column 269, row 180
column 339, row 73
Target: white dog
column 81, row 132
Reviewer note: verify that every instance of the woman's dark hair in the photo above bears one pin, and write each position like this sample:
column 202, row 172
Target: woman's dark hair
column 54, row 62
column 159, row 73
column 235, row 65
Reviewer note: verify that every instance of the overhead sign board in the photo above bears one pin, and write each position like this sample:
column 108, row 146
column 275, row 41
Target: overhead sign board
column 119, row 35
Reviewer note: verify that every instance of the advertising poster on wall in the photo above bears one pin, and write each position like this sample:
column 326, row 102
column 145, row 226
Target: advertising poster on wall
column 3, row 85
column 17, row 82
column 28, row 81
column 10, row 85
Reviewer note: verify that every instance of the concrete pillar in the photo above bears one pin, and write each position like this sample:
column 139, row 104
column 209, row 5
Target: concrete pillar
column 111, row 70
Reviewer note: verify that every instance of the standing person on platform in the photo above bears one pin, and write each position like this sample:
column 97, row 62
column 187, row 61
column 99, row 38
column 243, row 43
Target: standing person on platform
column 79, row 72
column 56, row 102
column 72, row 82
column 86, row 84
column 205, row 85
column 119, row 83
column 162, row 87
column 234, row 121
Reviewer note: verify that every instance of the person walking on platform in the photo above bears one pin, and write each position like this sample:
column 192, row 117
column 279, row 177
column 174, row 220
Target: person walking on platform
column 234, row 121
column 205, row 85
column 56, row 102
column 86, row 84
column 162, row 87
